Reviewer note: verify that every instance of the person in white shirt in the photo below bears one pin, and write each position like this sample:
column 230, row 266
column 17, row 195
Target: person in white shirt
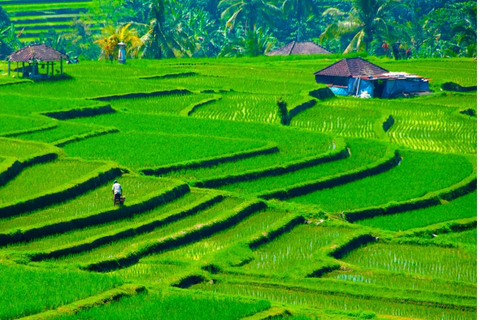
column 117, row 192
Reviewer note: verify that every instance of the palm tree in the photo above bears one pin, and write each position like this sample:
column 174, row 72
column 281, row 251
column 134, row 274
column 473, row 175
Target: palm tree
column 161, row 41
column 253, row 44
column 301, row 9
column 113, row 36
column 366, row 19
column 249, row 10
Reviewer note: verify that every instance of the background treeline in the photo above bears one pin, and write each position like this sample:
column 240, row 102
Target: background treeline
column 210, row 28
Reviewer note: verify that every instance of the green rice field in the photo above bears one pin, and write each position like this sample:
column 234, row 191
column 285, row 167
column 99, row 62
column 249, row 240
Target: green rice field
column 229, row 214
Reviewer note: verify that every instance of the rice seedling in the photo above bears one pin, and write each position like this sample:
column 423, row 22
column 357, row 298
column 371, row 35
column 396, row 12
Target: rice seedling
column 138, row 150
column 319, row 300
column 170, row 104
column 115, row 248
column 293, row 249
column 463, row 207
column 10, row 124
column 398, row 280
column 468, row 237
column 363, row 152
column 417, row 174
column 88, row 235
column 20, row 149
column 61, row 131
column 41, row 178
column 453, row 264
column 151, row 271
column 253, row 224
column 46, row 288
column 175, row 305
column 343, row 121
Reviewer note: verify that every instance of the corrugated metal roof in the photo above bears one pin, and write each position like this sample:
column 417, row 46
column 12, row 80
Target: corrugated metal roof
column 39, row 52
column 302, row 47
column 351, row 67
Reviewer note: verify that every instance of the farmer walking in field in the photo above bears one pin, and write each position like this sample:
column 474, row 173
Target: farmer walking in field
column 117, row 192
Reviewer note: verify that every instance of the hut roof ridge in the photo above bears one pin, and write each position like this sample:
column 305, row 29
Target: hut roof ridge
column 351, row 67
column 39, row 52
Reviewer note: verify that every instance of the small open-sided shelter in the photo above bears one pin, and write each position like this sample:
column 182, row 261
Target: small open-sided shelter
column 37, row 55
column 299, row 47
column 359, row 77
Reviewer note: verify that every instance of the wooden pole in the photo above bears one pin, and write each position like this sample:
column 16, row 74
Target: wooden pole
column 9, row 68
column 61, row 66
column 23, row 68
column 48, row 65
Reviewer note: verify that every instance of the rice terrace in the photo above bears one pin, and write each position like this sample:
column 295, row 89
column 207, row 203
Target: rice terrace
column 251, row 190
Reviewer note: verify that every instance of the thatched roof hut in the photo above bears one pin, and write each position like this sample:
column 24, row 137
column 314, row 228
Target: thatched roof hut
column 35, row 55
column 299, row 47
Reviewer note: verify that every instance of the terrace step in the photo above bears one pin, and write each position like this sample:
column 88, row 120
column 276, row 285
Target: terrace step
column 143, row 204
column 126, row 290
column 148, row 226
column 271, row 313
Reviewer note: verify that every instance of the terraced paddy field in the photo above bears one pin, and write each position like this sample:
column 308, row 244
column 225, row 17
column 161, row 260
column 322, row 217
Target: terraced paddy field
column 228, row 213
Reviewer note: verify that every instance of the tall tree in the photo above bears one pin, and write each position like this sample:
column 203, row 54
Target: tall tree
column 249, row 10
column 301, row 9
column 367, row 19
column 113, row 36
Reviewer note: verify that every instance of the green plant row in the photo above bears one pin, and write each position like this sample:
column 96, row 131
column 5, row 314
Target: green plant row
column 444, row 227
column 148, row 226
column 340, row 153
column 269, row 148
column 62, row 193
column 142, row 95
column 390, row 160
column 169, row 75
column 126, row 290
column 20, row 132
column 80, row 112
column 434, row 198
column 92, row 134
column 146, row 203
column 272, row 313
column 183, row 237
column 301, row 107
column 12, row 167
column 188, row 111
column 281, row 226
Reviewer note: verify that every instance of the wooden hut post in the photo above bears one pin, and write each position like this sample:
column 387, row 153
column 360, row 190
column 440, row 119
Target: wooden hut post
column 48, row 65
column 61, row 66
column 8, row 67
column 23, row 68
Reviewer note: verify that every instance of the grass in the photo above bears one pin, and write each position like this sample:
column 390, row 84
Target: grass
column 453, row 264
column 87, row 235
column 417, row 174
column 20, row 149
column 294, row 249
column 10, row 124
column 175, row 305
column 363, row 152
column 397, row 280
column 251, row 225
column 46, row 289
column 138, row 150
column 41, row 178
column 115, row 248
column 468, row 237
column 462, row 207
column 96, row 200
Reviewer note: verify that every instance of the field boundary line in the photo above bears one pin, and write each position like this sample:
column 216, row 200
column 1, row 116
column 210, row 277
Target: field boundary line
column 389, row 161
column 305, row 105
column 399, row 295
column 269, row 148
column 276, row 170
column 14, row 134
column 433, row 198
column 91, row 134
column 65, row 192
column 12, row 168
column 169, row 75
column 183, row 237
column 93, row 242
column 108, row 296
column 188, row 111
column 451, row 226
column 148, row 202
column 134, row 95
column 271, row 313
column 79, row 112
